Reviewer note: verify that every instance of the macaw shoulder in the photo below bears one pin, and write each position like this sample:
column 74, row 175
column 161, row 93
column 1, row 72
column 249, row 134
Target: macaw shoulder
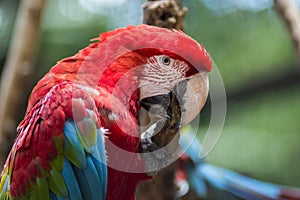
column 48, row 115
column 39, row 147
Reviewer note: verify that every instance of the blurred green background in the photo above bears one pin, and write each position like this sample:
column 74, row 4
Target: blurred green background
column 247, row 41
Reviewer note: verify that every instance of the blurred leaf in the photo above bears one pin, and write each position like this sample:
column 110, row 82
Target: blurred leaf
column 243, row 44
column 261, row 137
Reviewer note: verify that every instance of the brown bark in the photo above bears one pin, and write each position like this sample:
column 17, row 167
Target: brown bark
column 161, row 187
column 166, row 14
column 17, row 70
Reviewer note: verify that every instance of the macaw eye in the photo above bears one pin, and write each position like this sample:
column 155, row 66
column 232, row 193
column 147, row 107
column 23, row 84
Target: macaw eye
column 165, row 60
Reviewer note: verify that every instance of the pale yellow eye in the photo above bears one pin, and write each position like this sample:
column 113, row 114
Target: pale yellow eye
column 165, row 60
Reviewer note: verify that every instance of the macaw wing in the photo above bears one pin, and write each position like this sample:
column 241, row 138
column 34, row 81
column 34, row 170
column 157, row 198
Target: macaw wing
column 56, row 159
column 84, row 171
column 78, row 172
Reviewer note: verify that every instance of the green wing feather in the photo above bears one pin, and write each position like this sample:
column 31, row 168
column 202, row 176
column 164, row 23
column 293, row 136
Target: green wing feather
column 81, row 147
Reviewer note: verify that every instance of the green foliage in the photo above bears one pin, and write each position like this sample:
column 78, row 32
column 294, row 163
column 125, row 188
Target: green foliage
column 261, row 137
column 245, row 45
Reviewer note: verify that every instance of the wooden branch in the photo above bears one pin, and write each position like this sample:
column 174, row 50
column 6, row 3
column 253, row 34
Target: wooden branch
column 291, row 76
column 161, row 187
column 289, row 12
column 17, row 70
column 166, row 14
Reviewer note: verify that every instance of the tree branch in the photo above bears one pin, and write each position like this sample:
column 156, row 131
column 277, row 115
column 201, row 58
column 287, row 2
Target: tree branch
column 266, row 83
column 17, row 70
column 289, row 12
column 166, row 14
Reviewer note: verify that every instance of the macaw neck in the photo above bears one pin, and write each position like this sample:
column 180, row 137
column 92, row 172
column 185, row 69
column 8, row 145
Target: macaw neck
column 121, row 79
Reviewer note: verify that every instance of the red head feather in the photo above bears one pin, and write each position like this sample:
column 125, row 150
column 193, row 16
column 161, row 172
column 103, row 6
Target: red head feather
column 89, row 65
column 174, row 41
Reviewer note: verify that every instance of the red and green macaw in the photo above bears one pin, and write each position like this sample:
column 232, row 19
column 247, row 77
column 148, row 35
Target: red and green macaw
column 87, row 107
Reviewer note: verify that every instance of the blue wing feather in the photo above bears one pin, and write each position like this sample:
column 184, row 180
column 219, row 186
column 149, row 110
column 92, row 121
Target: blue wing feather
column 101, row 173
column 102, row 162
column 201, row 175
column 84, row 173
column 71, row 141
column 91, row 175
column 83, row 183
column 53, row 196
column 71, row 181
column 239, row 185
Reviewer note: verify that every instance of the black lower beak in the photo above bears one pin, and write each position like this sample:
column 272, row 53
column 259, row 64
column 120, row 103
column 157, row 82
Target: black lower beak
column 165, row 107
column 166, row 112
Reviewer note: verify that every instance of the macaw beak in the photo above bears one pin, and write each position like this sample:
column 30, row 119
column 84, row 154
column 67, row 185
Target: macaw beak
column 187, row 98
column 162, row 115
column 192, row 94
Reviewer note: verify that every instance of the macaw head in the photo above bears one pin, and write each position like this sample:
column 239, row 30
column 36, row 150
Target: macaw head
column 160, row 75
column 158, row 63
column 170, row 77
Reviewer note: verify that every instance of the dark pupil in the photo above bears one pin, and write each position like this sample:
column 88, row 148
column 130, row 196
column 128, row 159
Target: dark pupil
column 166, row 60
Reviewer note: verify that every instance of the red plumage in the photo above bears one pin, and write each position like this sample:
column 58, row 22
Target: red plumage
column 91, row 80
